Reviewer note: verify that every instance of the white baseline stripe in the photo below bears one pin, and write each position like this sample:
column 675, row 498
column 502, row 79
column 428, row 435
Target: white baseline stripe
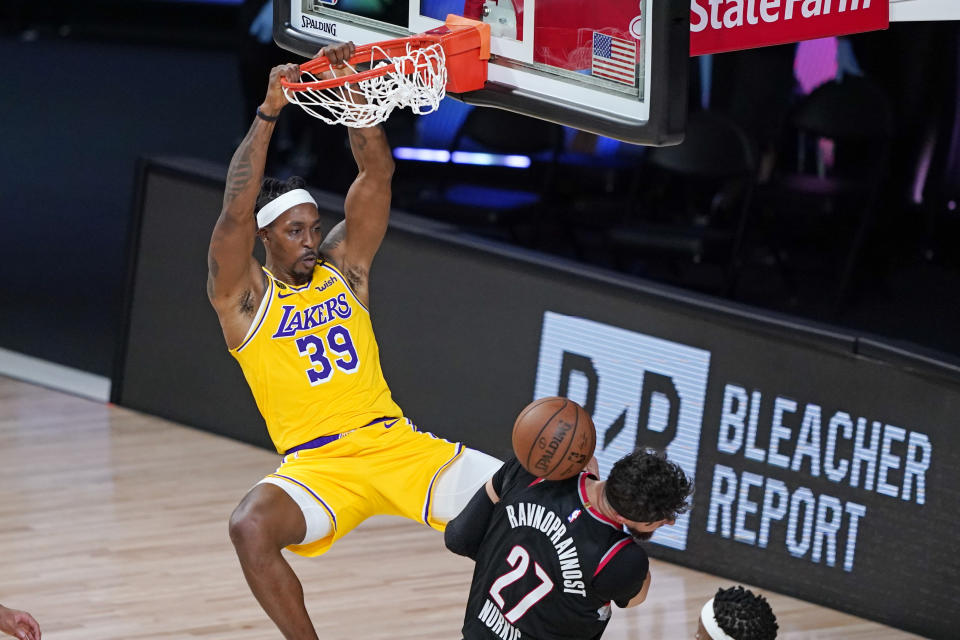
column 56, row 376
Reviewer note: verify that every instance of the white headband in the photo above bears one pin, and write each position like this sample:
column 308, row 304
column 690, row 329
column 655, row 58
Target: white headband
column 276, row 207
column 709, row 620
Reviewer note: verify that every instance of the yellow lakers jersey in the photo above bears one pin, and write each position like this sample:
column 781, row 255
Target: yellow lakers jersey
column 312, row 361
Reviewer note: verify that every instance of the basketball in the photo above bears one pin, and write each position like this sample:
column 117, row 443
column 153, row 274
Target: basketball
column 554, row 438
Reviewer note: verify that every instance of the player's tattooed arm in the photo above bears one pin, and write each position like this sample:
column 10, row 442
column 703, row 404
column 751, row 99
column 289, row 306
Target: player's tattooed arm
column 367, row 205
column 333, row 242
column 331, row 248
column 231, row 267
column 212, row 270
column 352, row 244
column 240, row 173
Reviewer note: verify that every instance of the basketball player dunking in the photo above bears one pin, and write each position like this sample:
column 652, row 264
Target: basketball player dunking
column 300, row 329
column 552, row 556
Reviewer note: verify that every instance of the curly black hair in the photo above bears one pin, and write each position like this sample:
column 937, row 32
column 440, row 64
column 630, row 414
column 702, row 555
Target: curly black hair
column 271, row 188
column 743, row 615
column 644, row 486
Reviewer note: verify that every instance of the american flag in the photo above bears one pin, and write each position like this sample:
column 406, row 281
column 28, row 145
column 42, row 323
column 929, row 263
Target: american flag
column 614, row 58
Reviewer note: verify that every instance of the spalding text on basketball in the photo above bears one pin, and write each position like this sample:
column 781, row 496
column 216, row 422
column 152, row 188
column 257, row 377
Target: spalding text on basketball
column 551, row 445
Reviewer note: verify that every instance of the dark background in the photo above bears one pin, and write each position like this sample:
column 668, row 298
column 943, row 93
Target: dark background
column 79, row 104
column 474, row 337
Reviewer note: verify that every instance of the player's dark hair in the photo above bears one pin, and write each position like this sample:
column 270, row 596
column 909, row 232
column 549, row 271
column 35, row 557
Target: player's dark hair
column 272, row 188
column 743, row 615
column 645, row 487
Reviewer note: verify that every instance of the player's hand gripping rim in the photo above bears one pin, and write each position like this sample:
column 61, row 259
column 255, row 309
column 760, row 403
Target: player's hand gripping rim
column 339, row 56
column 275, row 100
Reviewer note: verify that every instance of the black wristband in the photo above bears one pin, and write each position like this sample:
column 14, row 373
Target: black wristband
column 263, row 116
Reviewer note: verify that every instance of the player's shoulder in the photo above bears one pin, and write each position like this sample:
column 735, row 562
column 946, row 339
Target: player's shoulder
column 626, row 552
column 355, row 276
column 514, row 471
column 329, row 261
column 512, row 476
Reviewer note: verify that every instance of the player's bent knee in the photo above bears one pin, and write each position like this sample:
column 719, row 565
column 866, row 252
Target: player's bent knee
column 246, row 529
column 265, row 519
column 457, row 484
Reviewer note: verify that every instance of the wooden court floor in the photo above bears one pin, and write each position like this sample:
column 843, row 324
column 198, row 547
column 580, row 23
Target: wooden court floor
column 113, row 525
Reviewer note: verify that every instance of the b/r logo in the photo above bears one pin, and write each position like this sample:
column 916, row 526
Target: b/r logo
column 640, row 390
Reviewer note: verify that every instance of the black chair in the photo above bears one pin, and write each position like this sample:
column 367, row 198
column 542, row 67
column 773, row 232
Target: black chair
column 693, row 205
column 841, row 136
column 505, row 202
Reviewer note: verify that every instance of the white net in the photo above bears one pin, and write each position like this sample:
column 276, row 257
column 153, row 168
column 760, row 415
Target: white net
column 419, row 82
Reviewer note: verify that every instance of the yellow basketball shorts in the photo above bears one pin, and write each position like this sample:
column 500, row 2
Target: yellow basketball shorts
column 386, row 468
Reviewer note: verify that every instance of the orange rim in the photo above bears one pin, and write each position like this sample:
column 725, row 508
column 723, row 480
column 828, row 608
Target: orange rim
column 363, row 53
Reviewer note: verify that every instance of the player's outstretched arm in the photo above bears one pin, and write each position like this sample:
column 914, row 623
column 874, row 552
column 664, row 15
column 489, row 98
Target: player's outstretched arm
column 233, row 274
column 464, row 534
column 18, row 624
column 640, row 597
column 353, row 243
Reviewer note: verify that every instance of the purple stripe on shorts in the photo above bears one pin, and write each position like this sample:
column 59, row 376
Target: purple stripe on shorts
column 316, row 443
column 433, row 481
column 333, row 516
column 313, row 444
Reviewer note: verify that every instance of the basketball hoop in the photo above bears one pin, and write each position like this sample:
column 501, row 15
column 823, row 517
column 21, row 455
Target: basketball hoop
column 414, row 72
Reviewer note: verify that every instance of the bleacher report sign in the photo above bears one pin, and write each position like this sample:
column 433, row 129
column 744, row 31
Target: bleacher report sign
column 806, row 472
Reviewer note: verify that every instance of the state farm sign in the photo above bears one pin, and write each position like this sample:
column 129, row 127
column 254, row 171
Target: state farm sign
column 727, row 25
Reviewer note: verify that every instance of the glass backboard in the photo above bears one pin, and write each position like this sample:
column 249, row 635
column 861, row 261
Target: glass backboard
column 614, row 67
